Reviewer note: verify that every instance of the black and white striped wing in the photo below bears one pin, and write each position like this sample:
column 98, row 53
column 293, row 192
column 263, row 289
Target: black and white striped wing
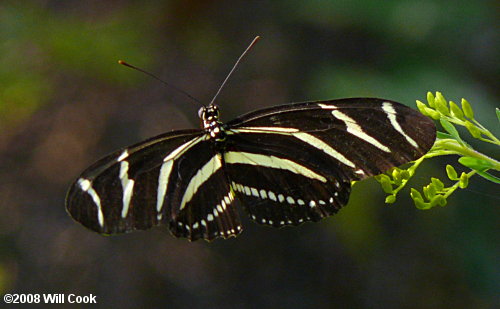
column 281, row 184
column 294, row 163
column 202, row 201
column 156, row 181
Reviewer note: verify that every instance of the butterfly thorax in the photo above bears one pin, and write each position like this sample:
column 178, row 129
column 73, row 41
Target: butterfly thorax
column 210, row 119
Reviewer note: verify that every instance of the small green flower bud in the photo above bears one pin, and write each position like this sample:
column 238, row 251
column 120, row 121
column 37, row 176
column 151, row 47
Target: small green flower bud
column 451, row 172
column 422, row 108
column 441, row 104
column 467, row 109
column 456, row 111
column 429, row 191
column 473, row 130
column 404, row 174
column 396, row 175
column 433, row 114
column 438, row 184
column 385, row 182
column 415, row 195
column 390, row 199
column 430, row 99
column 464, row 181
column 422, row 205
column 438, row 200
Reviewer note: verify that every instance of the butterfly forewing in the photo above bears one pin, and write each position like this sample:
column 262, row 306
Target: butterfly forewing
column 119, row 192
column 362, row 136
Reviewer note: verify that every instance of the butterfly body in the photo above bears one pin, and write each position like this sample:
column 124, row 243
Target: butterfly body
column 285, row 165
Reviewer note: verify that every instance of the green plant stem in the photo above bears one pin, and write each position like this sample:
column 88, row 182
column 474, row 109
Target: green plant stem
column 452, row 189
column 449, row 114
column 486, row 132
column 411, row 170
column 459, row 149
column 492, row 138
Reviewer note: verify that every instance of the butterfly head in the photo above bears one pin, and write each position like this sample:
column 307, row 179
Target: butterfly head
column 209, row 113
column 209, row 116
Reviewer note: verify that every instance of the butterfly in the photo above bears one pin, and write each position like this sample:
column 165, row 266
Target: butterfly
column 285, row 165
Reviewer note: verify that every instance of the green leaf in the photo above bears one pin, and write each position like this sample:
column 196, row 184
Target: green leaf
column 489, row 177
column 451, row 172
column 475, row 163
column 498, row 113
column 450, row 129
column 442, row 135
column 467, row 109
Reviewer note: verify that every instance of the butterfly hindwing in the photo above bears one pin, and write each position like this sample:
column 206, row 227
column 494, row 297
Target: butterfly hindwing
column 280, row 182
column 210, row 213
column 200, row 197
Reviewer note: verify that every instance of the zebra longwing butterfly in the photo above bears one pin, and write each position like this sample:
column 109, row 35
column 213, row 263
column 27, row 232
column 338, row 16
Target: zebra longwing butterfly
column 286, row 165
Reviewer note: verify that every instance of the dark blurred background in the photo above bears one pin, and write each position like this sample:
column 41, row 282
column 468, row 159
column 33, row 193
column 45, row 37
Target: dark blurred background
column 65, row 102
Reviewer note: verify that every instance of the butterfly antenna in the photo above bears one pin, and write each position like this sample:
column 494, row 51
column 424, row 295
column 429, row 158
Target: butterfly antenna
column 159, row 79
column 234, row 67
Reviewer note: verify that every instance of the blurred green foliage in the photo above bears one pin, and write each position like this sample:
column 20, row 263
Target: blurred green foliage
column 36, row 42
